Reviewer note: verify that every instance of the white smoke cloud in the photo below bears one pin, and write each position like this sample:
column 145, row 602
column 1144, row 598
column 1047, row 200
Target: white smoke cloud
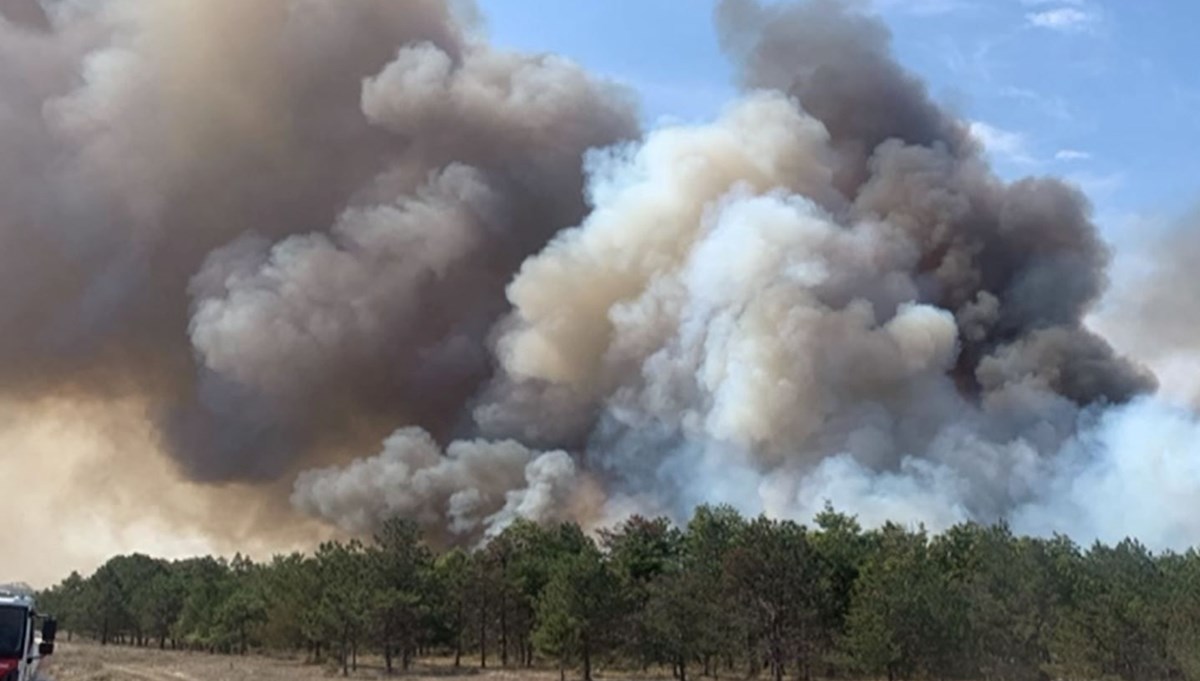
column 1134, row 472
column 469, row 488
column 729, row 339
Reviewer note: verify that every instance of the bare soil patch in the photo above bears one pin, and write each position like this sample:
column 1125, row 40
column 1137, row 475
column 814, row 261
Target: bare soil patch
column 90, row 662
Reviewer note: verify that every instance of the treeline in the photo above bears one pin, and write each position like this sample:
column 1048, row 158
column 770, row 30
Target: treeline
column 724, row 596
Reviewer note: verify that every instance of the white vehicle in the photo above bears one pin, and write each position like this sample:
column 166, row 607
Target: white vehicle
column 21, row 647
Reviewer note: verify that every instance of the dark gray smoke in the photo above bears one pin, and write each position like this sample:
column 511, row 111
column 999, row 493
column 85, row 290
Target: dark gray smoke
column 28, row 14
column 287, row 223
column 291, row 227
column 1011, row 261
column 838, row 63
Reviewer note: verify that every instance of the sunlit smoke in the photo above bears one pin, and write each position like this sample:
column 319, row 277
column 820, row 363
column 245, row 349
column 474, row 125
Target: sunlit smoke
column 284, row 229
column 824, row 295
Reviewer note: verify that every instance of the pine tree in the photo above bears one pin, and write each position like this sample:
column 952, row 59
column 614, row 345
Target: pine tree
column 578, row 609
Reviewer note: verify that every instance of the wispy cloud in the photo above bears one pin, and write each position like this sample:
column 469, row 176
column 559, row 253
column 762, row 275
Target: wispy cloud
column 1054, row 107
column 1072, row 155
column 1100, row 187
column 978, row 64
column 1064, row 19
column 923, row 7
column 1001, row 144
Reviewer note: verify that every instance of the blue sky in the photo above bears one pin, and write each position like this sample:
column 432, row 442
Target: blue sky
column 1103, row 92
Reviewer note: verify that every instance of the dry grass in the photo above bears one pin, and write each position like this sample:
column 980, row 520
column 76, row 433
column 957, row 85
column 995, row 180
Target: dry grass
column 90, row 662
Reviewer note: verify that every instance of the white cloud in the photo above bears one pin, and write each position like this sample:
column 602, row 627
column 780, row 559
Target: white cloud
column 1072, row 155
column 1064, row 19
column 1002, row 144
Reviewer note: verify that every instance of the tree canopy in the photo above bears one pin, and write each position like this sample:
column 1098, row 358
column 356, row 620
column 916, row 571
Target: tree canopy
column 723, row 595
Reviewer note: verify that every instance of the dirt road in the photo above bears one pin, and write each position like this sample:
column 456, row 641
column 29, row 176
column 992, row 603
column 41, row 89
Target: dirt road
column 94, row 663
column 88, row 662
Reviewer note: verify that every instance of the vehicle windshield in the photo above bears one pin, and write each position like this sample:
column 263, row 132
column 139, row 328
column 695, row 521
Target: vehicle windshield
column 12, row 631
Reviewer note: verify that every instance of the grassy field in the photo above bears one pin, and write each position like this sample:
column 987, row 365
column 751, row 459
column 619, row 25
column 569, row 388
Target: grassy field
column 89, row 662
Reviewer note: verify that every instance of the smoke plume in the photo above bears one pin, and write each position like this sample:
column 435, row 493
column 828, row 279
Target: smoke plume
column 827, row 295
column 1154, row 311
column 287, row 228
column 470, row 486
column 284, row 222
column 824, row 294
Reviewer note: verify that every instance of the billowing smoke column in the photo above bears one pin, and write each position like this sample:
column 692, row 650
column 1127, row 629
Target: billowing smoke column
column 823, row 295
column 291, row 227
column 287, row 223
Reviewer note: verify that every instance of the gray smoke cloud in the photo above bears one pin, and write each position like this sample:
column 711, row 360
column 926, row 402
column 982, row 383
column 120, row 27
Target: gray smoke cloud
column 824, row 294
column 838, row 63
column 472, row 486
column 286, row 223
column 1154, row 312
column 288, row 228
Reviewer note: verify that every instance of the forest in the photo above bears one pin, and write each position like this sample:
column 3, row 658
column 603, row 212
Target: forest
column 724, row 597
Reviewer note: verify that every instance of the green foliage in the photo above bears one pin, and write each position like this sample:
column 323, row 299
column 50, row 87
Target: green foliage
column 159, row 604
column 640, row 552
column 343, row 595
column 903, row 617
column 288, row 585
column 776, row 577
column 722, row 596
column 578, row 609
column 451, row 590
column 676, row 619
column 400, row 599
